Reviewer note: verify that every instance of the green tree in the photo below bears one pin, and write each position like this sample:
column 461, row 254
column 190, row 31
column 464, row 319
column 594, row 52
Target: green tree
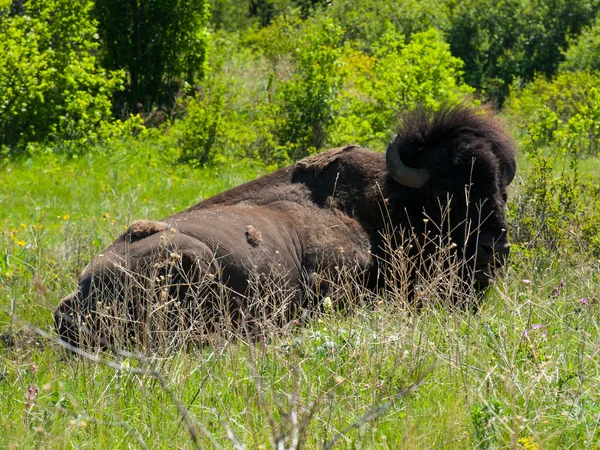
column 51, row 86
column 365, row 21
column 159, row 43
column 501, row 41
column 584, row 51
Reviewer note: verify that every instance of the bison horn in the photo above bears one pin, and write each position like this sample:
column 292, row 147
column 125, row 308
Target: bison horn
column 402, row 174
column 510, row 175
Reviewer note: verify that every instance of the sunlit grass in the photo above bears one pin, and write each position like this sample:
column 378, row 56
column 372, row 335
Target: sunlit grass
column 521, row 372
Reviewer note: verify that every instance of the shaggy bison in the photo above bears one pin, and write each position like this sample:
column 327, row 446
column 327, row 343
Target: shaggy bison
column 203, row 266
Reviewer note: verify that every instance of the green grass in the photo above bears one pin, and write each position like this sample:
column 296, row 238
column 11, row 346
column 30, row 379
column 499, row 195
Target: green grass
column 482, row 381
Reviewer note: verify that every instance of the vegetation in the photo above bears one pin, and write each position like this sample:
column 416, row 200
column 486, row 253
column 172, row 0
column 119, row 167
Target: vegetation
column 258, row 85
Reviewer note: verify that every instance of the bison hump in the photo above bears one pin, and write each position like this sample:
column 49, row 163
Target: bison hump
column 319, row 162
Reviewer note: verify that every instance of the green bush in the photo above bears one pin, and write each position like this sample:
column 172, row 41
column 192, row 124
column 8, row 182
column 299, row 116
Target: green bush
column 560, row 113
column 308, row 102
column 584, row 51
column 303, row 87
column 396, row 78
column 366, row 21
column 556, row 209
column 51, row 87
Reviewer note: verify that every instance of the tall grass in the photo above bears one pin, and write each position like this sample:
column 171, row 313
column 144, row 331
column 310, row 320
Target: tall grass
column 366, row 371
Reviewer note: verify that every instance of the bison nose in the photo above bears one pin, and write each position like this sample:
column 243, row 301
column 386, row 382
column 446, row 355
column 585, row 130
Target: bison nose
column 491, row 251
column 500, row 248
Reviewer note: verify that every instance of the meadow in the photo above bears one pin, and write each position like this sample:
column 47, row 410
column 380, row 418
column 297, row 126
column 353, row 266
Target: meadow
column 81, row 159
column 520, row 373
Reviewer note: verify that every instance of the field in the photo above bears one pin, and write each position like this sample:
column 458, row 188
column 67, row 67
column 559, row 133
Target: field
column 523, row 372
column 100, row 127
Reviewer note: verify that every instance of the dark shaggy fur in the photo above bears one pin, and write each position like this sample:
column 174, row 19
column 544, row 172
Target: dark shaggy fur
column 322, row 213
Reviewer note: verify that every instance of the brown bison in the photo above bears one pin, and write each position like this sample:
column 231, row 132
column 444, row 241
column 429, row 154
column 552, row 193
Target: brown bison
column 327, row 211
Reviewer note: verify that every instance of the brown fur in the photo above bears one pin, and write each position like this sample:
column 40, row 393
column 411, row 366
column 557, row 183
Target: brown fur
column 324, row 212
column 253, row 236
column 141, row 229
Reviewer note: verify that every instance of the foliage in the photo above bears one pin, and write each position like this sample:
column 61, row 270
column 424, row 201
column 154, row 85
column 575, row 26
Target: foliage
column 557, row 209
column 308, row 102
column 582, row 53
column 159, row 43
column 563, row 112
column 501, row 41
column 238, row 15
column 367, row 21
column 396, row 78
column 51, row 87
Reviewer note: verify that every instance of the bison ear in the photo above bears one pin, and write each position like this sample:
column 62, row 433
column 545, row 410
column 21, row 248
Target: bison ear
column 401, row 173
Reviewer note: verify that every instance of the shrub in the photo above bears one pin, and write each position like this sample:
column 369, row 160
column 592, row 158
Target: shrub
column 362, row 19
column 560, row 113
column 582, row 53
column 308, row 102
column 397, row 78
column 51, row 87
column 500, row 41
column 303, row 88
column 556, row 209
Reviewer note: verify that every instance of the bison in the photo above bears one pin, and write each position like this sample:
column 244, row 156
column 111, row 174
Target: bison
column 203, row 265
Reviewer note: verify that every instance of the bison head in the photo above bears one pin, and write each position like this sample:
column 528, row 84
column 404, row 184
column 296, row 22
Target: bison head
column 460, row 163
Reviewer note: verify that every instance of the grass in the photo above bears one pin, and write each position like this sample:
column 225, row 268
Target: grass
column 521, row 373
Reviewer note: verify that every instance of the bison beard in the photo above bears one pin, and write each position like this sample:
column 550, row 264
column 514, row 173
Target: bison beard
column 441, row 184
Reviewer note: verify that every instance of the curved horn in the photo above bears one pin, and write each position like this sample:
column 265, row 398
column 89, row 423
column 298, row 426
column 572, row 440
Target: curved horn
column 402, row 174
column 510, row 173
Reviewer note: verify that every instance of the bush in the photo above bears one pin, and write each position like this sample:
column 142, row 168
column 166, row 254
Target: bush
column 501, row 41
column 303, row 88
column 556, row 209
column 308, row 102
column 560, row 113
column 362, row 19
column 583, row 51
column 397, row 78
column 51, row 87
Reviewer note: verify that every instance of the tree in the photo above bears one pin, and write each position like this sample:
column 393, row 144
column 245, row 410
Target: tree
column 160, row 43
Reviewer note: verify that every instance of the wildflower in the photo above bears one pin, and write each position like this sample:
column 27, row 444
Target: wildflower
column 30, row 247
column 21, row 243
column 583, row 301
column 561, row 286
column 66, row 216
column 526, row 281
column 536, row 326
column 23, row 226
